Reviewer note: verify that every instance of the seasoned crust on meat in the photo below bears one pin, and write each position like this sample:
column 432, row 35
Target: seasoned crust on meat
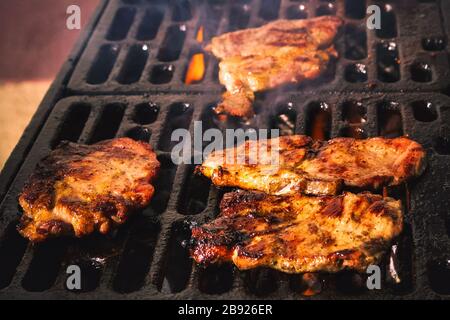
column 79, row 189
column 280, row 52
column 316, row 168
column 298, row 233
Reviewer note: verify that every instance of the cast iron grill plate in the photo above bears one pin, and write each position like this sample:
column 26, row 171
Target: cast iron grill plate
column 145, row 46
column 146, row 258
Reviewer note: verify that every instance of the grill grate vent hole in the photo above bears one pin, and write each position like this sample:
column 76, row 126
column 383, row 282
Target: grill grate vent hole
column 109, row 122
column 261, row 282
column 178, row 264
column 139, row 134
column 121, row 24
column 162, row 73
column 149, row 26
column 163, row 184
column 356, row 73
column 194, row 195
column 239, row 17
column 434, row 43
column 134, row 64
column 12, row 248
column 173, row 43
column 424, row 111
column 355, row 9
column 179, row 117
column 216, row 279
column 390, row 124
column 442, row 145
column 318, row 121
column 421, row 72
column 181, row 11
column 44, row 267
column 285, row 120
column 269, row 9
column 103, row 64
column 388, row 66
column 355, row 43
column 297, row 12
column 145, row 113
column 137, row 256
column 73, row 124
column 388, row 23
column 439, row 275
column 327, row 9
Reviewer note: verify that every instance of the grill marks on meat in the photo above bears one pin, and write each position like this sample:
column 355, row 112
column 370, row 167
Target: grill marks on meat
column 79, row 189
column 315, row 168
column 280, row 52
column 298, row 233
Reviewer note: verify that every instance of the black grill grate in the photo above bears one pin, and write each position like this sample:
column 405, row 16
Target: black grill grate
column 146, row 46
column 146, row 99
column 146, row 259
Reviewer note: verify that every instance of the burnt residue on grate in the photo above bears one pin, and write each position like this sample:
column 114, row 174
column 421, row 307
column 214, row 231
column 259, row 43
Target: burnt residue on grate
column 148, row 46
column 149, row 256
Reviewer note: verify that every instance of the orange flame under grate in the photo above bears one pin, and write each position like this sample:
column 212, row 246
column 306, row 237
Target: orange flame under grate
column 196, row 68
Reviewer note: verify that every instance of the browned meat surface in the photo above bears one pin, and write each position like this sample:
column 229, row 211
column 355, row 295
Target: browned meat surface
column 280, row 52
column 297, row 233
column 79, row 189
column 293, row 164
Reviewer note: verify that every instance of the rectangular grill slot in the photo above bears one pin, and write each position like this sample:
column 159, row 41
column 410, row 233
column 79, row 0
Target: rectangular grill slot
column 109, row 123
column 173, row 43
column 44, row 267
column 355, row 43
column 318, row 121
column 12, row 249
column 285, row 120
column 262, row 281
column 163, row 184
column 73, row 124
column 134, row 64
column 103, row 64
column 181, row 11
column 355, row 9
column 216, row 279
column 388, row 23
column 194, row 195
column 239, row 17
column 269, row 9
column 149, row 26
column 178, row 265
column 387, row 62
column 121, row 23
column 389, row 119
column 179, row 117
column 137, row 256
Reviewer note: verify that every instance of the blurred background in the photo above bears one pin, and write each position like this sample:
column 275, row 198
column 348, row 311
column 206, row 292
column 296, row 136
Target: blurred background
column 34, row 43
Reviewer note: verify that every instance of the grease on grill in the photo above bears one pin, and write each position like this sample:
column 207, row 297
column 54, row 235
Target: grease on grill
column 109, row 122
column 194, row 194
column 134, row 64
column 216, row 279
column 149, row 26
column 424, row 111
column 262, row 281
column 121, row 23
column 103, row 64
column 137, row 256
column 12, row 249
column 178, row 263
column 45, row 266
column 389, row 119
column 318, row 121
column 388, row 64
column 173, row 43
column 73, row 123
column 388, row 23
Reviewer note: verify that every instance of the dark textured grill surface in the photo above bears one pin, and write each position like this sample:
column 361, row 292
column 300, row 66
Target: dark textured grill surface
column 146, row 257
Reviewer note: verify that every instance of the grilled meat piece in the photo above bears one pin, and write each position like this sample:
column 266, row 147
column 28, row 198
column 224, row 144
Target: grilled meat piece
column 280, row 52
column 298, row 233
column 293, row 164
column 79, row 189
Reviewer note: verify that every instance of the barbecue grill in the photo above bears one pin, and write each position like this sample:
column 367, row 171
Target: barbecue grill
column 126, row 77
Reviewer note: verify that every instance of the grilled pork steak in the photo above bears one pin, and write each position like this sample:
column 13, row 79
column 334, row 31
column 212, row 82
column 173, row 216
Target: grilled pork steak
column 315, row 168
column 280, row 52
column 79, row 189
column 297, row 233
